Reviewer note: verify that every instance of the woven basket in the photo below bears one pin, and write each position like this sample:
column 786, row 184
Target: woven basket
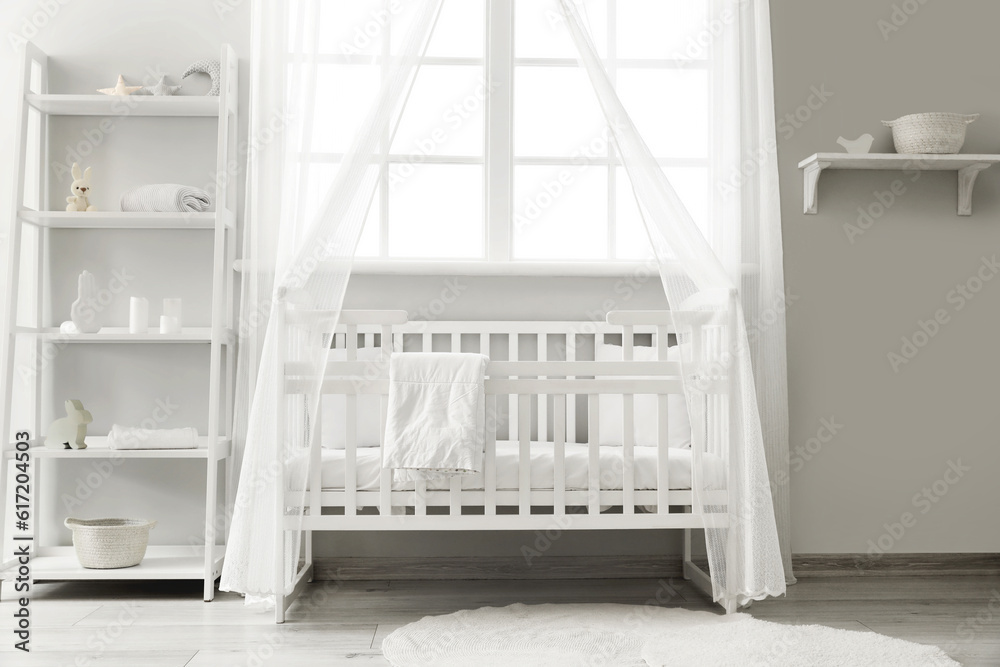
column 106, row 544
column 937, row 133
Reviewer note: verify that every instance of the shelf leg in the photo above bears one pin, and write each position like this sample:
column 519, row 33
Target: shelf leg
column 966, row 181
column 810, row 187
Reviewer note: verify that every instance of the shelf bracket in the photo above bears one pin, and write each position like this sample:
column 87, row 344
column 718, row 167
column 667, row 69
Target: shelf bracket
column 810, row 186
column 966, row 180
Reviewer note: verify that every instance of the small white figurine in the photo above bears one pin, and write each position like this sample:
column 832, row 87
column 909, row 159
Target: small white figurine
column 83, row 312
column 70, row 431
column 121, row 88
column 858, row 146
column 81, row 186
column 160, row 88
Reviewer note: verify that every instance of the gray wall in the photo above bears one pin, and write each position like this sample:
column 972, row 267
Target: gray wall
column 854, row 301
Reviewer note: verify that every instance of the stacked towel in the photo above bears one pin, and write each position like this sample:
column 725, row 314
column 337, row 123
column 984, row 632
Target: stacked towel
column 128, row 437
column 436, row 415
column 166, row 198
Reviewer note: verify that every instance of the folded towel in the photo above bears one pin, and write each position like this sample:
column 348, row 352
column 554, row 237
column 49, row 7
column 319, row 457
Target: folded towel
column 436, row 415
column 166, row 198
column 128, row 437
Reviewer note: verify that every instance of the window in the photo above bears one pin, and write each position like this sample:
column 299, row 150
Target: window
column 502, row 153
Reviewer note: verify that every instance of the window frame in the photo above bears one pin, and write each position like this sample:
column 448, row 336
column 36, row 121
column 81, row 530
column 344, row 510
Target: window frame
column 499, row 62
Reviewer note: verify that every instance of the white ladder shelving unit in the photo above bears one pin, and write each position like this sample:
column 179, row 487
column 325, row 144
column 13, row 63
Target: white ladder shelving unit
column 198, row 562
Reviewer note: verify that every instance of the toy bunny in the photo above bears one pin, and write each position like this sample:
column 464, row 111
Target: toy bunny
column 81, row 186
column 70, row 431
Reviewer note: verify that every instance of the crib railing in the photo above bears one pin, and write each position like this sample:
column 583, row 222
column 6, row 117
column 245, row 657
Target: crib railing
column 544, row 386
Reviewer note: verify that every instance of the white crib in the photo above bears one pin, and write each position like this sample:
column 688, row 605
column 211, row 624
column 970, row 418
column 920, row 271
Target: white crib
column 542, row 390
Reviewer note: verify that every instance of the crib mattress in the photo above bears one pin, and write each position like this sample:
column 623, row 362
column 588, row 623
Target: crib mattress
column 577, row 467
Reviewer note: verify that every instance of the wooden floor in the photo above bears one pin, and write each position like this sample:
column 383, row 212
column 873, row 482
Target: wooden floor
column 165, row 624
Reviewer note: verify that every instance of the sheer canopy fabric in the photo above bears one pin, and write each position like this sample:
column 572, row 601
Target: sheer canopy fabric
column 304, row 260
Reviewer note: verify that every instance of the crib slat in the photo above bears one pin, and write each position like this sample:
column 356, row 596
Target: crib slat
column 426, row 342
column 420, row 506
column 351, row 455
column 524, row 460
column 484, row 344
column 593, row 446
column 456, row 342
column 543, row 400
column 571, row 399
column 512, row 421
column 369, row 340
column 456, row 496
column 628, row 431
column 559, row 464
column 385, row 475
column 663, row 429
column 628, row 453
column 490, row 465
column 352, row 342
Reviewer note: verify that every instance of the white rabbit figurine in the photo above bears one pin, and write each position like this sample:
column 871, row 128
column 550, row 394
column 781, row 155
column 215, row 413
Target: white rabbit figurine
column 70, row 431
column 81, row 186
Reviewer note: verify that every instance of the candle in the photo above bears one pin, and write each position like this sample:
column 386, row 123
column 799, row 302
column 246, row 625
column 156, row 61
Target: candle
column 169, row 325
column 172, row 308
column 138, row 315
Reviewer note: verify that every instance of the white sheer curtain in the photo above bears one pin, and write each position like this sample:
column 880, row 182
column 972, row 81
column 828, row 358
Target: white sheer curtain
column 303, row 260
column 296, row 260
column 745, row 558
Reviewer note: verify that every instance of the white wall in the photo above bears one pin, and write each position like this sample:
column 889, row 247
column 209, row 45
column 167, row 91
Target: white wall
column 854, row 301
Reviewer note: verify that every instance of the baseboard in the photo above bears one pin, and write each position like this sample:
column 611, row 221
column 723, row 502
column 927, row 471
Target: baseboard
column 895, row 565
column 546, row 567
column 640, row 567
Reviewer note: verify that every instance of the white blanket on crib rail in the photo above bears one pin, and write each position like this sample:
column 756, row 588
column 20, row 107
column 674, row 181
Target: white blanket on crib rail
column 436, row 416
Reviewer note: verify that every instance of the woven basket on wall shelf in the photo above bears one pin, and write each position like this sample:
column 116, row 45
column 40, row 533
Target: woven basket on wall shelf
column 937, row 133
column 106, row 544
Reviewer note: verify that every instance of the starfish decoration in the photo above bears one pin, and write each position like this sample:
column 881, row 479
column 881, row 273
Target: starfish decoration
column 120, row 88
column 161, row 88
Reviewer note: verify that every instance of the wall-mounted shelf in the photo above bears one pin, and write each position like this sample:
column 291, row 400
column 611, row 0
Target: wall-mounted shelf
column 967, row 166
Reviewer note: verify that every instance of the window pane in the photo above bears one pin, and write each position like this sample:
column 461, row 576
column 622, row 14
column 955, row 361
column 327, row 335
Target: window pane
column 458, row 32
column 444, row 115
column 560, row 212
column 556, row 113
column 663, row 29
column 436, row 211
column 320, row 179
column 540, row 29
column 670, row 109
column 344, row 95
column 692, row 187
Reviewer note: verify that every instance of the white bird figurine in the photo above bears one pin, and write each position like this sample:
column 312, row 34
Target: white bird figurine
column 861, row 145
column 161, row 88
column 120, row 88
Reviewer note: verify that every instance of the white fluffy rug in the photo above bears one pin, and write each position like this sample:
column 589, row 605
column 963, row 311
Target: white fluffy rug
column 639, row 636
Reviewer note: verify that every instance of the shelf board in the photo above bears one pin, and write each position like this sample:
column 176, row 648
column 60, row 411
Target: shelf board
column 191, row 106
column 97, row 448
column 121, row 335
column 161, row 562
column 968, row 167
column 117, row 220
